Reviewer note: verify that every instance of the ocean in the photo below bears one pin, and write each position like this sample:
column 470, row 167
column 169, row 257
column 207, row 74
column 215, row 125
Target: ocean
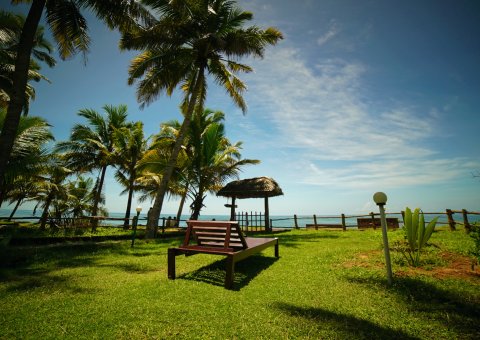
column 278, row 221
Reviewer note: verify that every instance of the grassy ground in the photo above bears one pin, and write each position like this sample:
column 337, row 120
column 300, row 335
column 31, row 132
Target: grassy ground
column 325, row 284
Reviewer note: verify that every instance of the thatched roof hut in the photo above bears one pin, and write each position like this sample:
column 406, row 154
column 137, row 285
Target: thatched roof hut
column 258, row 187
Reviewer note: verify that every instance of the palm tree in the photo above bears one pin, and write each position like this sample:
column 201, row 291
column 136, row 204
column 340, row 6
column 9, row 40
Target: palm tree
column 52, row 187
column 155, row 160
column 191, row 40
column 28, row 154
column 91, row 146
column 129, row 146
column 70, row 31
column 80, row 197
column 10, row 30
column 213, row 158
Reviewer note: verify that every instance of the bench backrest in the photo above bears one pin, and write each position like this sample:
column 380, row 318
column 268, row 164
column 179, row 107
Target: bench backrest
column 225, row 235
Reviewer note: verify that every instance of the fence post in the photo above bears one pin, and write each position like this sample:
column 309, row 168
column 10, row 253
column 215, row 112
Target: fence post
column 344, row 224
column 373, row 220
column 468, row 227
column 296, row 221
column 451, row 221
column 403, row 215
column 315, row 221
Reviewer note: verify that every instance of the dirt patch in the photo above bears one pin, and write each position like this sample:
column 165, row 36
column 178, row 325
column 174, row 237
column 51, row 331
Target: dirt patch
column 453, row 266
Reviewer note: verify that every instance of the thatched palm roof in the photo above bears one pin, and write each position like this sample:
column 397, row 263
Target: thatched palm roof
column 258, row 187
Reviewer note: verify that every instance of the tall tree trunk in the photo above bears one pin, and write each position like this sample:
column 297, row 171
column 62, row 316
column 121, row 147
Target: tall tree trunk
column 129, row 201
column 96, row 200
column 19, row 201
column 197, row 205
column 180, row 207
column 43, row 219
column 167, row 173
column 20, row 79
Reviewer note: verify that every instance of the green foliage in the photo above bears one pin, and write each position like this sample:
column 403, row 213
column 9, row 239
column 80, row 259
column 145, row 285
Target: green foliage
column 475, row 235
column 417, row 235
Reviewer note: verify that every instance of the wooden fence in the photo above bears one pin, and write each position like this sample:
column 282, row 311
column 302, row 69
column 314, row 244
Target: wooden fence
column 451, row 217
column 253, row 221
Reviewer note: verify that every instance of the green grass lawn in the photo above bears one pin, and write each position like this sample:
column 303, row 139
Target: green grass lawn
column 325, row 284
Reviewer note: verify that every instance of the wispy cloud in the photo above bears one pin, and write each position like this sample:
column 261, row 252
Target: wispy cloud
column 329, row 34
column 322, row 113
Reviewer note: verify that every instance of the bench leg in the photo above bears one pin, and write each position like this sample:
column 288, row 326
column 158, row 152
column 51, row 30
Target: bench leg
column 171, row 264
column 230, row 268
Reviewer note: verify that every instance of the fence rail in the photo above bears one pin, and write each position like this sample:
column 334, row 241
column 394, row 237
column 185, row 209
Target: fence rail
column 255, row 221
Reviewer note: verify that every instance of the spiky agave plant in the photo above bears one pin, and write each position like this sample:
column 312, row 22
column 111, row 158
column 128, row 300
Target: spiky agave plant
column 417, row 234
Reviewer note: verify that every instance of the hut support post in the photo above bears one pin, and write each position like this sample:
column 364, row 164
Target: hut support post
column 267, row 215
column 232, row 210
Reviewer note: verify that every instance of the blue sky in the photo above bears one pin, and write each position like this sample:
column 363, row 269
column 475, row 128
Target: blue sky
column 360, row 96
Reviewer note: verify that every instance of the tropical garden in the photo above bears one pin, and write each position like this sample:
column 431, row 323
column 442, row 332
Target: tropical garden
column 181, row 44
column 325, row 284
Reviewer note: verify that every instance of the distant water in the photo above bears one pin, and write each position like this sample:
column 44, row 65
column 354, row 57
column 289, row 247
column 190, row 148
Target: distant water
column 278, row 221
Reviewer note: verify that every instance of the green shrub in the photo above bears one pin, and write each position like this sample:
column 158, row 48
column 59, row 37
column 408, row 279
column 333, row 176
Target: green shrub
column 416, row 236
column 475, row 235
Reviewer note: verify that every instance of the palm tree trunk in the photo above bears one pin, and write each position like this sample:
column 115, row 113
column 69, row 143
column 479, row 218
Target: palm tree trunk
column 20, row 79
column 43, row 219
column 19, row 201
column 129, row 201
column 96, row 201
column 167, row 173
column 197, row 205
column 180, row 207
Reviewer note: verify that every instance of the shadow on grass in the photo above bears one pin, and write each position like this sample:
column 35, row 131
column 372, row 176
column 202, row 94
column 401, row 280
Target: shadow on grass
column 294, row 240
column 26, row 263
column 345, row 326
column 245, row 271
column 45, row 280
column 460, row 312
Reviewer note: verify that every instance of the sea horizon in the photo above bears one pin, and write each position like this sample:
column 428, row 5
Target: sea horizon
column 278, row 221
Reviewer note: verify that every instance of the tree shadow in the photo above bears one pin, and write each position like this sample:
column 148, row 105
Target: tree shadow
column 460, row 311
column 345, row 326
column 245, row 271
column 295, row 240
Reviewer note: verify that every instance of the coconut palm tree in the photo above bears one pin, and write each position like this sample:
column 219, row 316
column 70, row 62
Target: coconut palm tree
column 213, row 159
column 91, row 145
column 129, row 147
column 70, row 31
column 191, row 40
column 79, row 199
column 52, row 187
column 154, row 161
column 29, row 152
column 10, row 30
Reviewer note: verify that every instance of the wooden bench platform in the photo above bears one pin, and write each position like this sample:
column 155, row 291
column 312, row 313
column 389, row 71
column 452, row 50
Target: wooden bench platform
column 219, row 238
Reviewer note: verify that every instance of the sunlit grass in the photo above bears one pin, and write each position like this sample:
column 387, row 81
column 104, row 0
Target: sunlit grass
column 324, row 285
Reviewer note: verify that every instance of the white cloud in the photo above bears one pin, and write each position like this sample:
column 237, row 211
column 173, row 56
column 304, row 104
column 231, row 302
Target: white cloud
column 339, row 138
column 327, row 36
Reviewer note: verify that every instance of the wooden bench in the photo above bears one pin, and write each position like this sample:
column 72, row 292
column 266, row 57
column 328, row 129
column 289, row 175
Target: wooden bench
column 219, row 238
column 365, row 223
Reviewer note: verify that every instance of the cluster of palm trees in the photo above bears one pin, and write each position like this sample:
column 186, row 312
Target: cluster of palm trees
column 60, row 180
column 181, row 42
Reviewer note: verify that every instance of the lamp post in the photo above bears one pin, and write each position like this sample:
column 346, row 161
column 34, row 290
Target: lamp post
column 135, row 222
column 381, row 199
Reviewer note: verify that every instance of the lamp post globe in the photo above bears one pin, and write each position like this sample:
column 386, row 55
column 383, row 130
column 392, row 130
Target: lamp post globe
column 380, row 198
